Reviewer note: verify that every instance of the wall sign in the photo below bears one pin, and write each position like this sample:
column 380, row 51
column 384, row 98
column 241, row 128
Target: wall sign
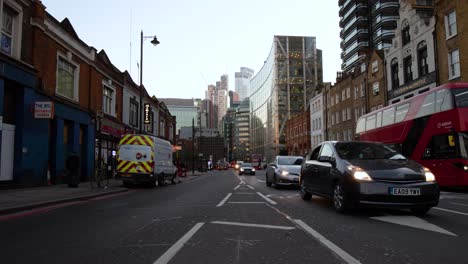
column 44, row 109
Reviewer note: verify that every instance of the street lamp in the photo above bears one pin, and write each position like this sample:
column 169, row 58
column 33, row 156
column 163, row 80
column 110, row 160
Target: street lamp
column 155, row 42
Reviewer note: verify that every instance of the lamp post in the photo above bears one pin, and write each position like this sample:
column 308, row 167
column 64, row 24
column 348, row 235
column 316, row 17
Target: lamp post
column 154, row 42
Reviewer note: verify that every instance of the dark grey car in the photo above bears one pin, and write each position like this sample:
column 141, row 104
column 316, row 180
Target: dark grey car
column 369, row 174
column 284, row 171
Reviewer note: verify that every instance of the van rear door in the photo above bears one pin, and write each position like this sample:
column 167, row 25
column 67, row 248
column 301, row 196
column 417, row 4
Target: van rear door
column 135, row 159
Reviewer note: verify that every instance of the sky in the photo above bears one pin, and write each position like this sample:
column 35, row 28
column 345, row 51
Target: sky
column 200, row 39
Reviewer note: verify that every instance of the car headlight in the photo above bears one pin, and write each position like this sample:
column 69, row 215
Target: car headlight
column 429, row 175
column 241, row 169
column 359, row 174
column 253, row 169
column 283, row 172
column 465, row 168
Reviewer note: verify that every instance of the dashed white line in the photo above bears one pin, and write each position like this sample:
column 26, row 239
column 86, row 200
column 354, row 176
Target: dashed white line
column 224, row 200
column 172, row 251
column 338, row 251
column 460, row 204
column 266, row 198
column 237, row 187
column 251, row 187
column 253, row 225
column 451, row 211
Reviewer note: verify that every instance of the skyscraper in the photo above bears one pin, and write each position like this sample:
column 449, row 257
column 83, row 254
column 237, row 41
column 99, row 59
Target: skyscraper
column 365, row 25
column 242, row 82
column 281, row 89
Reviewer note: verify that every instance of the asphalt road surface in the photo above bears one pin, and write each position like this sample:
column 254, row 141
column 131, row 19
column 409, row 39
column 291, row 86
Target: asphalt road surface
column 221, row 217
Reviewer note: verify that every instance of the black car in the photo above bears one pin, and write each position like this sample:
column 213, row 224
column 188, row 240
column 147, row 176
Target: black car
column 370, row 174
column 246, row 168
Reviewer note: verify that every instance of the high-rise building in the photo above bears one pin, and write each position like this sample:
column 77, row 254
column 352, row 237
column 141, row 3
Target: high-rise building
column 365, row 25
column 234, row 99
column 183, row 109
column 242, row 82
column 242, row 131
column 290, row 76
column 221, row 99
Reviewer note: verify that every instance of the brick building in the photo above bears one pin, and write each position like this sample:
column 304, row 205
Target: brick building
column 298, row 134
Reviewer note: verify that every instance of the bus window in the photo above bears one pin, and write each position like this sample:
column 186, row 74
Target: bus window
column 388, row 117
column 442, row 147
column 461, row 97
column 401, row 112
column 379, row 119
column 443, row 100
column 428, row 106
column 370, row 122
column 361, row 125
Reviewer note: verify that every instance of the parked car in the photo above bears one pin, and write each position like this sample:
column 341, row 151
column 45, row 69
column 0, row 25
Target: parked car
column 370, row 174
column 284, row 171
column 246, row 168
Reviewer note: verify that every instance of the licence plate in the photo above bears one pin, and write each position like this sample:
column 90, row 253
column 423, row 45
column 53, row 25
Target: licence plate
column 405, row 191
column 125, row 175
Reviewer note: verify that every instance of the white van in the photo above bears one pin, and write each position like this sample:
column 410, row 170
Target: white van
column 145, row 159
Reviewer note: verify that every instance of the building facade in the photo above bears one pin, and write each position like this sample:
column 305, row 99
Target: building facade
column 281, row 89
column 411, row 60
column 242, row 131
column 183, row 109
column 298, row 134
column 317, row 122
column 365, row 25
column 242, row 80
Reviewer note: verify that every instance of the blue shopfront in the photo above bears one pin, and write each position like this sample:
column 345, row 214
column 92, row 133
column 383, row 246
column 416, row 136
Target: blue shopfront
column 34, row 149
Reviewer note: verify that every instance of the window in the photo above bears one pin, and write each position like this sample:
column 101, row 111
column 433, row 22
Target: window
column 108, row 100
column 361, row 125
column 443, row 101
column 423, row 68
column 348, row 113
column 394, row 74
column 348, row 92
column 401, row 112
column 332, row 100
column 363, row 67
column 133, row 112
column 363, row 92
column 315, row 153
column 454, row 64
column 375, row 88
column 370, row 122
column 343, row 114
column 407, row 71
column 67, row 78
column 9, row 17
column 333, row 119
column 337, row 117
column 451, row 24
column 428, row 106
column 343, row 94
column 442, row 147
column 327, row 151
column 337, row 98
column 150, row 126
column 375, row 66
column 379, row 119
column 388, row 117
column 356, row 91
column 356, row 113
column 405, row 34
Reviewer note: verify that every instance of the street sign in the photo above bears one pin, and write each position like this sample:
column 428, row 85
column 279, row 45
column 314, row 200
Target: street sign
column 147, row 118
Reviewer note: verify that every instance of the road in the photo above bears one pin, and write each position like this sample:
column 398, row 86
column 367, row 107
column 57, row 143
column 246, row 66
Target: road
column 223, row 218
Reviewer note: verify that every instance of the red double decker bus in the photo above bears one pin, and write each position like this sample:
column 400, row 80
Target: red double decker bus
column 430, row 128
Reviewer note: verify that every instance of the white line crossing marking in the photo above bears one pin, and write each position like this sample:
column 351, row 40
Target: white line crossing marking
column 237, row 187
column 224, row 200
column 338, row 251
column 451, row 211
column 412, row 221
column 266, row 198
column 253, row 225
column 251, row 187
column 172, row 251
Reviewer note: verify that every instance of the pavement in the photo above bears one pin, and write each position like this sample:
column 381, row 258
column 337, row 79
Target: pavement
column 22, row 199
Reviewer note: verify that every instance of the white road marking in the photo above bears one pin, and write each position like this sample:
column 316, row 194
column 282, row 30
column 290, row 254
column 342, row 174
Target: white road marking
column 253, row 225
column 251, row 187
column 237, row 187
column 224, row 200
column 412, row 221
column 338, row 251
column 460, row 204
column 266, row 198
column 172, row 251
column 451, row 211
column 246, row 202
column 243, row 193
column 260, row 180
column 242, row 182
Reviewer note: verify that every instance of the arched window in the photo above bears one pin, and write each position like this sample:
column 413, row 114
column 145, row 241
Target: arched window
column 423, row 67
column 394, row 73
column 405, row 32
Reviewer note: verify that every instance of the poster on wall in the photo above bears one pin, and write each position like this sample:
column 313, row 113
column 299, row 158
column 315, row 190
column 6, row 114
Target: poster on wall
column 44, row 109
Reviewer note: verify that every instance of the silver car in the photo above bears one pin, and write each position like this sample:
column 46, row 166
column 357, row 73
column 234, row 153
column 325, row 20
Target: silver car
column 284, row 171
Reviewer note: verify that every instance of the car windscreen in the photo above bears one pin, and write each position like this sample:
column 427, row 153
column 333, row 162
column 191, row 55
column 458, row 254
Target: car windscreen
column 246, row 165
column 366, row 151
column 290, row 160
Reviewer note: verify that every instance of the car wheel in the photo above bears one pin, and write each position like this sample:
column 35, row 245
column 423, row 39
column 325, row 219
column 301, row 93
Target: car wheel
column 420, row 210
column 305, row 195
column 340, row 203
column 275, row 182
column 268, row 182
